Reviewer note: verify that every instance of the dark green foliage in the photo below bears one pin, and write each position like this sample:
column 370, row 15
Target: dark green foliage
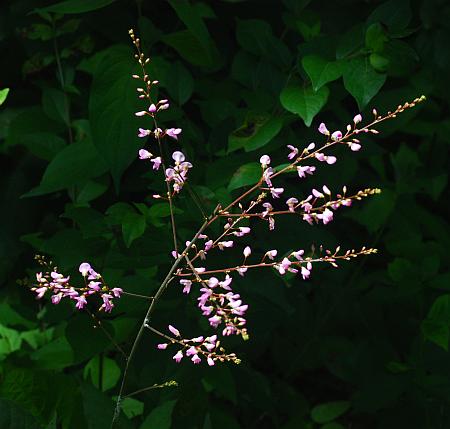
column 363, row 346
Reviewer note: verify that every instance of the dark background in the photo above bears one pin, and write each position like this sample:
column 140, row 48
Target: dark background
column 363, row 346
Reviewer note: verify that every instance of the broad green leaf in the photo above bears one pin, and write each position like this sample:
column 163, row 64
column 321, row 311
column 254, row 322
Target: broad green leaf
column 255, row 133
column 197, row 30
column 160, row 417
column 245, row 175
column 3, row 95
column 110, row 372
column 379, row 62
column 396, row 14
column 350, row 41
column 329, row 411
column 76, row 6
column 132, row 407
column 90, row 191
column 321, row 71
column 304, row 101
column 133, row 226
column 436, row 326
column 362, row 81
column 112, row 107
column 71, row 166
column 54, row 355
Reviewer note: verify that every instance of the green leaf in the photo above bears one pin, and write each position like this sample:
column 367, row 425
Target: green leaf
column 112, row 105
column 160, row 417
column 362, row 81
column 245, row 175
column 329, row 411
column 133, row 226
column 76, row 6
column 436, row 326
column 396, row 14
column 132, row 407
column 257, row 131
column 110, row 372
column 55, row 105
column 304, row 101
column 375, row 37
column 3, row 94
column 321, row 71
column 71, row 166
column 332, row 425
column 379, row 62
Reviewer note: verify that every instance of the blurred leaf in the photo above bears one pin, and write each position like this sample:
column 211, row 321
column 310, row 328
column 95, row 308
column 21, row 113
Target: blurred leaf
column 71, row 166
column 436, row 326
column 112, row 105
column 396, row 14
column 133, row 226
column 362, row 81
column 110, row 372
column 255, row 133
column 304, row 101
column 76, row 6
column 375, row 37
column 55, row 105
column 245, row 175
column 132, row 407
column 160, row 417
column 321, row 71
column 3, row 94
column 329, row 411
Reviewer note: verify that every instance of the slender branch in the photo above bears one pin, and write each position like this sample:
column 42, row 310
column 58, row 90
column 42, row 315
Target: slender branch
column 171, row 383
column 137, row 295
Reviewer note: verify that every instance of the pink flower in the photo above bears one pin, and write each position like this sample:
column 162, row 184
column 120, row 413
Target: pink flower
column 40, row 292
column 247, row 252
column 326, row 190
column 326, row 216
column 305, row 273
column 117, row 291
column 178, row 157
column 143, row 132
column 266, row 175
column 323, row 129
column 156, row 162
column 337, row 135
column 213, row 282
column 303, row 170
column 173, row 132
column 107, row 303
column 144, row 154
column 311, row 146
column 84, row 269
column 57, row 298
column 291, row 202
column 196, row 359
column 355, row 147
column 187, row 285
column 162, row 346
column 174, row 331
column 215, row 321
column 294, row 151
column 264, row 160
column 81, row 302
column 226, row 283
column 276, row 192
column 152, row 108
column 357, row 119
column 271, row 254
column 178, row 356
column 210, row 361
column 330, row 159
column 141, row 113
column 317, row 194
column 191, row 351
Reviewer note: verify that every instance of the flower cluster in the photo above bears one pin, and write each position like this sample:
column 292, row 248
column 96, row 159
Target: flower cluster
column 195, row 348
column 59, row 286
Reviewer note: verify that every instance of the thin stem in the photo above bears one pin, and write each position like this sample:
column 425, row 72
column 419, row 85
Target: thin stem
column 137, row 295
column 171, row 383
